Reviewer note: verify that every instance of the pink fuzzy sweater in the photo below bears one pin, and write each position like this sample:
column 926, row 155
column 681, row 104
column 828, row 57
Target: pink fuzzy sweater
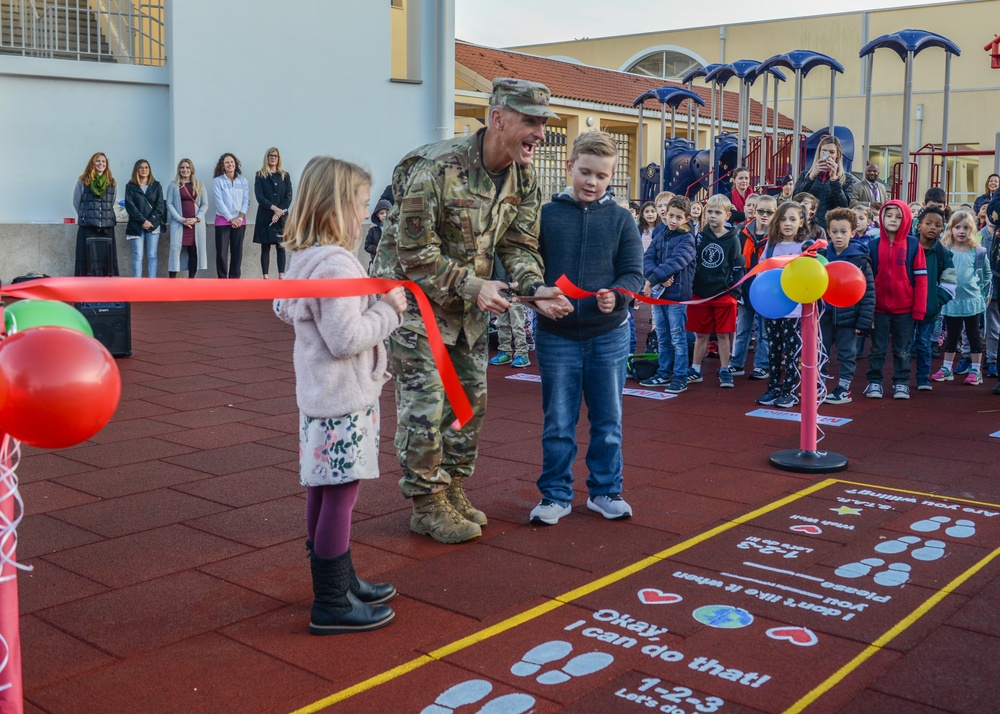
column 340, row 356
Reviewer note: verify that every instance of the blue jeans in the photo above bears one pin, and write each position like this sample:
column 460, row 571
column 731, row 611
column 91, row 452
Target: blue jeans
column 923, row 334
column 672, row 339
column 631, row 329
column 746, row 316
column 573, row 370
column 146, row 243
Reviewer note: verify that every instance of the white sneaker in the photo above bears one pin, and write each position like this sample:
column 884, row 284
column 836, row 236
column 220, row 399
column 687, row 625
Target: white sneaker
column 613, row 507
column 548, row 513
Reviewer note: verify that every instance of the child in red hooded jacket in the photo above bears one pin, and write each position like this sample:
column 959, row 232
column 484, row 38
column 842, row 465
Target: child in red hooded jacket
column 900, row 297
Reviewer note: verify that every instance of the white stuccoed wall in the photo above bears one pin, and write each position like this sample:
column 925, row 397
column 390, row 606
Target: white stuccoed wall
column 242, row 75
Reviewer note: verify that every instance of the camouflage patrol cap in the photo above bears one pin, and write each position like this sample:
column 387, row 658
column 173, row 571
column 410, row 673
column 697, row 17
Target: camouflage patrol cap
column 529, row 98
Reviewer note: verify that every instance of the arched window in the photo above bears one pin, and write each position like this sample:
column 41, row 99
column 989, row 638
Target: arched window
column 663, row 62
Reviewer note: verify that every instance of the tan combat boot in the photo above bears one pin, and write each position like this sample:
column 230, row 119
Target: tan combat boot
column 458, row 498
column 434, row 515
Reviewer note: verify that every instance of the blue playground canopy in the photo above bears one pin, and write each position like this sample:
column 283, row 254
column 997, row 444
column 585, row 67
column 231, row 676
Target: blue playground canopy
column 906, row 41
column 803, row 61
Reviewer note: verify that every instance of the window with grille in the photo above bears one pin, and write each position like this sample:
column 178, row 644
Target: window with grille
column 664, row 64
column 620, row 182
column 550, row 162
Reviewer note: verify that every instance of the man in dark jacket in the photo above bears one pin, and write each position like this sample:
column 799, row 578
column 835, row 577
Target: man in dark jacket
column 841, row 326
column 668, row 265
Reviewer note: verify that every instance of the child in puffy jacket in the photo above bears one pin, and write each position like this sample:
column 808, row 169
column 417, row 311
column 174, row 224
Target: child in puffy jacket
column 668, row 266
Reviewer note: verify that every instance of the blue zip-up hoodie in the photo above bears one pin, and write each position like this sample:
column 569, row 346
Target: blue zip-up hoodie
column 671, row 254
column 861, row 315
column 596, row 246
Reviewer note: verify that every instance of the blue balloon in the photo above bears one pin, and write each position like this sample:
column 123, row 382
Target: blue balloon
column 768, row 298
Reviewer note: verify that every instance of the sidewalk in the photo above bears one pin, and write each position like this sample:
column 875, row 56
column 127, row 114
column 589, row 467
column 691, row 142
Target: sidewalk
column 170, row 572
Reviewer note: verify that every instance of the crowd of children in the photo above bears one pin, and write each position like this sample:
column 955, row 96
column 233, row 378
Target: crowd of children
column 931, row 278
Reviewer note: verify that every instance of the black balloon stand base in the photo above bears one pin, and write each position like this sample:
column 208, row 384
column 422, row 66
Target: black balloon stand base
column 808, row 462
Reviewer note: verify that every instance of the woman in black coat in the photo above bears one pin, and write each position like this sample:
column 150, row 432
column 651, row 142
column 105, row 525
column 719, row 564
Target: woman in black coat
column 826, row 179
column 273, row 189
column 94, row 201
column 146, row 213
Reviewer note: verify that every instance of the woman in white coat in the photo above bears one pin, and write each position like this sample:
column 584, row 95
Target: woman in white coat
column 187, row 203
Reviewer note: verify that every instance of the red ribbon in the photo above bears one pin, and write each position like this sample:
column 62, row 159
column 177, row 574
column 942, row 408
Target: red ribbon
column 167, row 290
column 572, row 291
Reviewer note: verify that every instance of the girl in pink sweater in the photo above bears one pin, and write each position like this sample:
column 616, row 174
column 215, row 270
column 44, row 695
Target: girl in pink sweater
column 340, row 367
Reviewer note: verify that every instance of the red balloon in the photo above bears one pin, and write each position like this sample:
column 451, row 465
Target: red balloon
column 60, row 387
column 847, row 284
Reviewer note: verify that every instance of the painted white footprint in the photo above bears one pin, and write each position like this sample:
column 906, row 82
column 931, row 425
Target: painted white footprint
column 962, row 529
column 897, row 546
column 468, row 692
column 931, row 550
column 544, row 653
column 579, row 666
column 859, row 569
column 929, row 525
column 516, row 703
column 897, row 574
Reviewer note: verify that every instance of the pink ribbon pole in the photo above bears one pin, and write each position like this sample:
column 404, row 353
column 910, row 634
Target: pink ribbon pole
column 807, row 459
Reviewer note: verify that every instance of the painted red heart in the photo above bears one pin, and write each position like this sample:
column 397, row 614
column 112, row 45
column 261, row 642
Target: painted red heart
column 811, row 530
column 801, row 636
column 652, row 596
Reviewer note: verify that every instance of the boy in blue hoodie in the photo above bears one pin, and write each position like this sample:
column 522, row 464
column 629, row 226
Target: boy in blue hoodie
column 668, row 265
column 841, row 326
column 595, row 243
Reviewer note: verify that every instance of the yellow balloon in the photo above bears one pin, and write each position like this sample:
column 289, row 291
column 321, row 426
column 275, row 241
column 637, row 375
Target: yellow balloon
column 804, row 280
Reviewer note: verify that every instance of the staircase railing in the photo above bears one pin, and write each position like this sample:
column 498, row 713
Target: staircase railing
column 122, row 31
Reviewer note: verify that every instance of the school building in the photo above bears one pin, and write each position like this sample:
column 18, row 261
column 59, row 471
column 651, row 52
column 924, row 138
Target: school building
column 974, row 78
column 161, row 80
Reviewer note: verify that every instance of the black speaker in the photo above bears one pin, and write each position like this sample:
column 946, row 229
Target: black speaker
column 112, row 325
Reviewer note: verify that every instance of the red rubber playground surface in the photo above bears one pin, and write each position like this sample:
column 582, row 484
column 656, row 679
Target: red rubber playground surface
column 170, row 573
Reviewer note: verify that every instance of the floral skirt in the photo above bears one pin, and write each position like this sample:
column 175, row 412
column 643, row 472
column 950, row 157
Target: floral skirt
column 339, row 450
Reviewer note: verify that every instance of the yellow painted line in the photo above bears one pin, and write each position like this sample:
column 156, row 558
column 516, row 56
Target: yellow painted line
column 618, row 575
column 551, row 605
column 919, row 493
column 365, row 685
column 889, row 636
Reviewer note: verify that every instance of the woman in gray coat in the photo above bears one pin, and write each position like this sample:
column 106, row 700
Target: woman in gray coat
column 187, row 203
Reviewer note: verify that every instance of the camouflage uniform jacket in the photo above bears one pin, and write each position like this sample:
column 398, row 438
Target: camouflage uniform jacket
column 447, row 221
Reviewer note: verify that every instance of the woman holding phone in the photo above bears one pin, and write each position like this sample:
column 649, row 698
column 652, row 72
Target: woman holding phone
column 826, row 179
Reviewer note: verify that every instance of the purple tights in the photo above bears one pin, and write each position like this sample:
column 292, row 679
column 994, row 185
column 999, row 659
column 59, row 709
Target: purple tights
column 328, row 517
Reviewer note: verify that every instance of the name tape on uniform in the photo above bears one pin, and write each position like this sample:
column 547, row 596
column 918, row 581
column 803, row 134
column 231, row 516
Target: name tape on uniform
column 627, row 391
column 796, row 416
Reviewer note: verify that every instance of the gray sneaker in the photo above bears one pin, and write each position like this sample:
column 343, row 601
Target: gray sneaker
column 548, row 513
column 613, row 506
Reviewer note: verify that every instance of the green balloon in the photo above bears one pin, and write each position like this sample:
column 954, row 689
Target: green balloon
column 25, row 314
column 822, row 259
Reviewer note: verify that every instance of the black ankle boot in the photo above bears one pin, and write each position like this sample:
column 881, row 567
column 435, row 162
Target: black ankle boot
column 371, row 593
column 335, row 608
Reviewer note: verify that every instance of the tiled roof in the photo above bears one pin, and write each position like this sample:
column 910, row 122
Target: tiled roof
column 593, row 84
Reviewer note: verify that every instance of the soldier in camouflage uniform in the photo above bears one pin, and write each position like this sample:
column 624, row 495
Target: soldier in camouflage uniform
column 457, row 202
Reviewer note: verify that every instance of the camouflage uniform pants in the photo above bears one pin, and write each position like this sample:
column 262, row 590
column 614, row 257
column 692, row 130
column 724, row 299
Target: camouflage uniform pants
column 510, row 330
column 429, row 449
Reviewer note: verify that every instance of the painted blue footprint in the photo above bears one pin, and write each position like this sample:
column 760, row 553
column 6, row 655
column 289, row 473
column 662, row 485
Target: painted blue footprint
column 859, row 569
column 468, row 692
column 962, row 529
column 932, row 550
column 897, row 546
column 544, row 653
column 929, row 525
column 474, row 690
column 897, row 574
column 579, row 666
column 516, row 703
